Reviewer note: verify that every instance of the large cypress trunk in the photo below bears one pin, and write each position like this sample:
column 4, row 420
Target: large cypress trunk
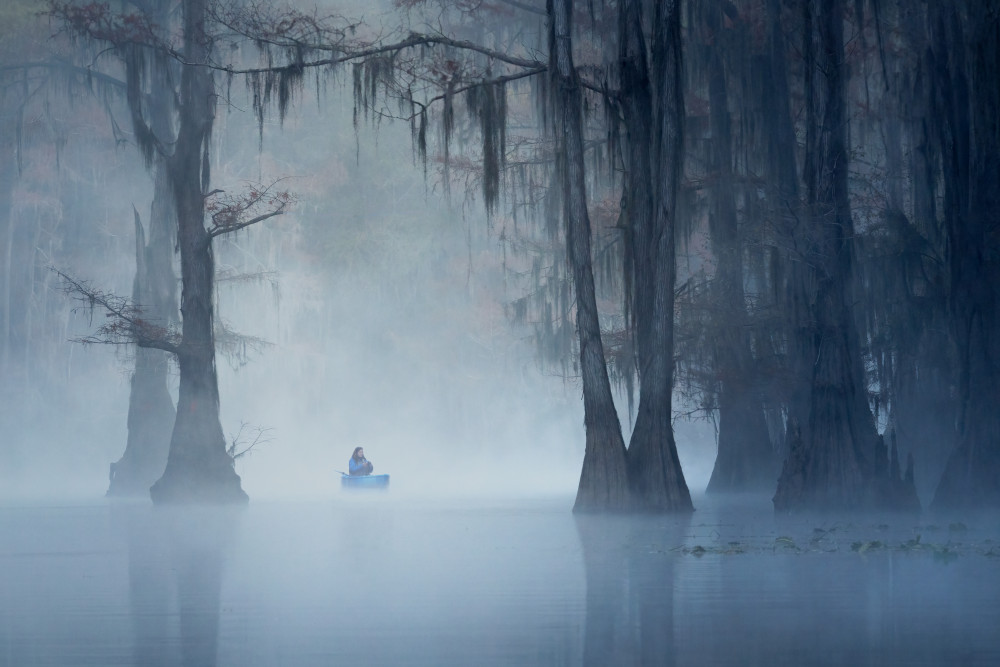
column 603, row 482
column 198, row 466
column 970, row 136
column 786, row 274
column 919, row 372
column 840, row 461
column 655, row 476
column 745, row 460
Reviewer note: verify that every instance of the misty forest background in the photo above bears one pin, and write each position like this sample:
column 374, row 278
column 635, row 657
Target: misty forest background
column 759, row 236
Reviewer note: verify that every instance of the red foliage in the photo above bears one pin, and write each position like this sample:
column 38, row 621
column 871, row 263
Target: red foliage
column 231, row 212
column 97, row 21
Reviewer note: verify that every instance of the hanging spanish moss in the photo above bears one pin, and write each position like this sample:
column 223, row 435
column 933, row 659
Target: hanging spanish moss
column 274, row 86
column 135, row 71
column 782, row 206
column 488, row 102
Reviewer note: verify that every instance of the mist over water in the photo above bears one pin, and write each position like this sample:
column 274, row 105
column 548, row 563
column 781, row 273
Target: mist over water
column 379, row 301
column 402, row 345
column 389, row 579
column 379, row 306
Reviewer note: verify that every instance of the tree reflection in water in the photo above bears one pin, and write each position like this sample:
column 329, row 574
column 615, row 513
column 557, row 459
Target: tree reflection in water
column 630, row 580
column 175, row 565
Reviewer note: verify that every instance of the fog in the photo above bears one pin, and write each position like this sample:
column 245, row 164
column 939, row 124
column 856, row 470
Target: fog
column 400, row 345
column 377, row 581
column 380, row 310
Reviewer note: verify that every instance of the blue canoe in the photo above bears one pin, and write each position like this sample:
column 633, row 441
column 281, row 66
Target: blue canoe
column 364, row 481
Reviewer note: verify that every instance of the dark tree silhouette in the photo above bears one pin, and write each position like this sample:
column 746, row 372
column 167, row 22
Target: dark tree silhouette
column 745, row 460
column 965, row 56
column 151, row 412
column 603, row 481
column 653, row 105
column 839, row 461
column 198, row 468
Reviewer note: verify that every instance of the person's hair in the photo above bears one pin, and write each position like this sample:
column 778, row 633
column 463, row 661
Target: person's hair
column 356, row 450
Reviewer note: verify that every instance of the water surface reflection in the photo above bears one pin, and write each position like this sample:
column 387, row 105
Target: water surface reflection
column 175, row 573
column 395, row 581
column 630, row 588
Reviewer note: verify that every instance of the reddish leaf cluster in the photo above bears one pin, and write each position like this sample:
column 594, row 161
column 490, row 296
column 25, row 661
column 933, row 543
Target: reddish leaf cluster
column 97, row 21
column 282, row 26
column 231, row 212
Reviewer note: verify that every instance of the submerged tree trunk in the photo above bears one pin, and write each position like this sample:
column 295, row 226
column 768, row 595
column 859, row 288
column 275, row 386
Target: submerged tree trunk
column 840, row 461
column 603, row 481
column 655, row 474
column 151, row 411
column 198, row 466
column 745, row 460
column 971, row 138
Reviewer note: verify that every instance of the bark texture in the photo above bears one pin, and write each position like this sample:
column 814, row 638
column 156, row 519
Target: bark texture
column 151, row 412
column 655, row 476
column 838, row 460
column 745, row 460
column 603, row 481
column 967, row 56
column 198, row 467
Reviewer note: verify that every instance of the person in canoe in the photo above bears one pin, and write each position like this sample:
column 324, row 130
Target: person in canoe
column 358, row 464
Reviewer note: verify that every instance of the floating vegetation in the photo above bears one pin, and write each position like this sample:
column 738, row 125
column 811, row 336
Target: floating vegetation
column 824, row 540
column 698, row 550
column 863, row 547
column 785, row 543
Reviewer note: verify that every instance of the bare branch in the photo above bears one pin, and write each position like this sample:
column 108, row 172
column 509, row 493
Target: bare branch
column 413, row 40
column 98, row 21
column 219, row 231
column 484, row 82
column 237, row 448
column 125, row 324
column 230, row 212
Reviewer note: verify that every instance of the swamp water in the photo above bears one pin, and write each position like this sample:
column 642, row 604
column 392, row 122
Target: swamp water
column 389, row 580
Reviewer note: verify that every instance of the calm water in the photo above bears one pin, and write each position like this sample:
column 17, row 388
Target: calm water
column 385, row 580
